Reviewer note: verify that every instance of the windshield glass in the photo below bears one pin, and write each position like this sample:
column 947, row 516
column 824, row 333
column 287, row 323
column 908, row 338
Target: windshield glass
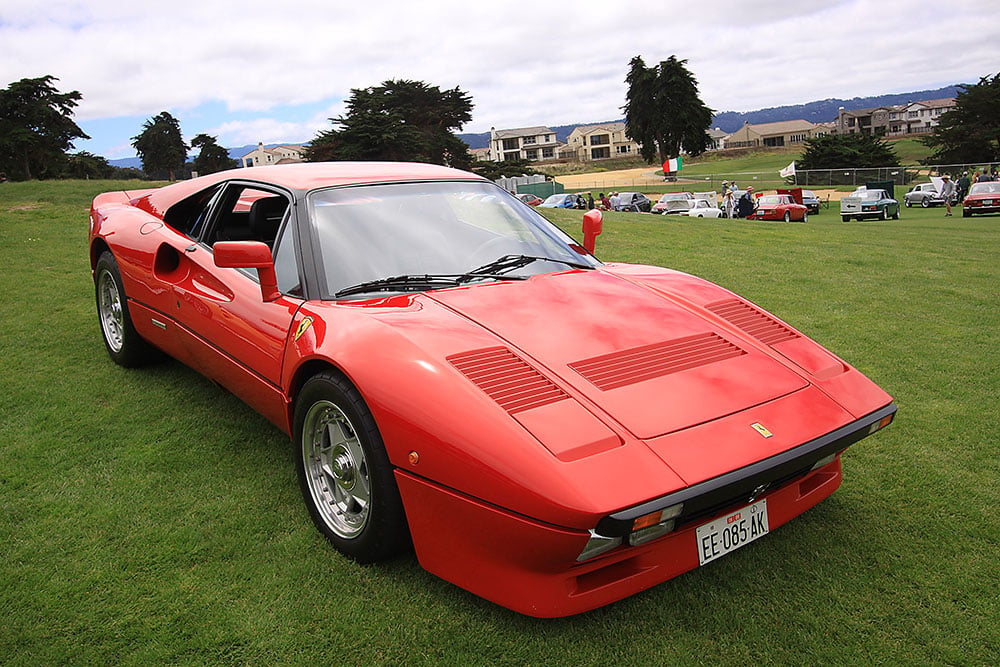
column 671, row 196
column 554, row 199
column 770, row 200
column 374, row 232
column 985, row 188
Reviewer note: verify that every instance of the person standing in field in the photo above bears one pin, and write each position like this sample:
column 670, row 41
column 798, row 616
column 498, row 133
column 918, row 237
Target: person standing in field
column 963, row 186
column 947, row 191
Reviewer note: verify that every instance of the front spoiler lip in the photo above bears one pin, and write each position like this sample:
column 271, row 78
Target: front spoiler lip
column 740, row 486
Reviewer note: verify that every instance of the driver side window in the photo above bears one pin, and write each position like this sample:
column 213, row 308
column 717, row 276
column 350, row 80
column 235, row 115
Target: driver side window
column 245, row 213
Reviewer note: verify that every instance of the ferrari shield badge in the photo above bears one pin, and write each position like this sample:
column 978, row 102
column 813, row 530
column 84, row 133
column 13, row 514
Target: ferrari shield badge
column 303, row 326
column 760, row 428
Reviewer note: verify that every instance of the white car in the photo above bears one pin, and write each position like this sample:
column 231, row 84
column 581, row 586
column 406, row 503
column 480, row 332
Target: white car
column 701, row 208
column 674, row 202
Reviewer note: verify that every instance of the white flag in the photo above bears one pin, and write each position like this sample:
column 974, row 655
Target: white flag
column 788, row 171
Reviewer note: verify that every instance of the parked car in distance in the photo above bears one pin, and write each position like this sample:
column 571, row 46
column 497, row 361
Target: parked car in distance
column 779, row 207
column 635, row 202
column 982, row 198
column 925, row 195
column 805, row 197
column 811, row 201
column 701, row 208
column 530, row 199
column 869, row 203
column 561, row 200
column 673, row 202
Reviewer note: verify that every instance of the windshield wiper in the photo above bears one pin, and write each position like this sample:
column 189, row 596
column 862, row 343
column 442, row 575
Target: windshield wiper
column 495, row 270
column 507, row 263
column 395, row 283
column 420, row 282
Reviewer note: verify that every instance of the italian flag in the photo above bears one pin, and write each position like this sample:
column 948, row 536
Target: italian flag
column 673, row 164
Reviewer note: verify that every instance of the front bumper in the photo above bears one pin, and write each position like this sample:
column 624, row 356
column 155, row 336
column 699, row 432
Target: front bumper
column 530, row 566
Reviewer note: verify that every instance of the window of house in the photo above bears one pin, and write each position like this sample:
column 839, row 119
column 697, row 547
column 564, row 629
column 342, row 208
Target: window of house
column 599, row 139
column 774, row 141
column 627, row 148
column 510, row 145
column 547, row 153
column 600, row 153
column 531, row 140
column 531, row 154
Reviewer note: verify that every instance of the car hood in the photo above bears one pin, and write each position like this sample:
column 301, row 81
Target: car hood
column 649, row 358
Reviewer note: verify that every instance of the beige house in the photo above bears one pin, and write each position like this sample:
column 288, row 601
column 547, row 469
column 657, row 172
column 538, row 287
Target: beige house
column 898, row 120
column 261, row 156
column 782, row 133
column 600, row 142
column 526, row 143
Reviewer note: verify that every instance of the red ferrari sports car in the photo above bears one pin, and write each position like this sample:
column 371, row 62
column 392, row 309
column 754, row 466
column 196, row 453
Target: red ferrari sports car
column 551, row 432
column 779, row 207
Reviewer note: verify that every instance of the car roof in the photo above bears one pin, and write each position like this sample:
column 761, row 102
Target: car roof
column 303, row 176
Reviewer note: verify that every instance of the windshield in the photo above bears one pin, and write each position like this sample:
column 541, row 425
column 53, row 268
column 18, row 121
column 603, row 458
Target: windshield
column 771, row 200
column 437, row 229
column 554, row 199
column 987, row 188
column 672, row 196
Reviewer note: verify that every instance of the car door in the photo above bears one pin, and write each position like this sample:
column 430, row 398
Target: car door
column 238, row 338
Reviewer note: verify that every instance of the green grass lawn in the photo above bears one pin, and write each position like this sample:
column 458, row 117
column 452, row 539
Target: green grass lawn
column 146, row 517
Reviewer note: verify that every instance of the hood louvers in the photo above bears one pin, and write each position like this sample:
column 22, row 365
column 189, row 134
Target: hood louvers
column 639, row 364
column 507, row 379
column 754, row 322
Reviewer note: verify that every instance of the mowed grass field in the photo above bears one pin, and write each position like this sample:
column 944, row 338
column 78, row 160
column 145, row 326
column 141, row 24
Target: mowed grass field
column 146, row 517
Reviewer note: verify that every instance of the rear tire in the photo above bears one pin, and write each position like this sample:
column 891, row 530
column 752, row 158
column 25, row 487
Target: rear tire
column 846, row 218
column 908, row 203
column 805, row 216
column 124, row 344
column 788, row 216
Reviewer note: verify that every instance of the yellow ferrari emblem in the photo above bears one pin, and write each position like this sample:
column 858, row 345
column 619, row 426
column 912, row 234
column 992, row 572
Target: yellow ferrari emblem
column 760, row 428
column 303, row 325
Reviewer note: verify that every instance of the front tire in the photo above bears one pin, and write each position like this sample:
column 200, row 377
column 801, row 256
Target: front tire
column 124, row 344
column 788, row 216
column 344, row 473
column 925, row 203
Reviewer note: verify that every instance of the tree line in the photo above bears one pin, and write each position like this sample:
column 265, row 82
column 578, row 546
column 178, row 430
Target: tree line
column 414, row 121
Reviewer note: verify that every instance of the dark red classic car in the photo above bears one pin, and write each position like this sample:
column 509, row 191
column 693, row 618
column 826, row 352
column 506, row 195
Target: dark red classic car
column 551, row 432
column 779, row 207
column 982, row 198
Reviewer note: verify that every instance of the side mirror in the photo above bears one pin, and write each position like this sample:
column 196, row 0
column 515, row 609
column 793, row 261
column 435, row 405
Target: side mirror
column 249, row 255
column 593, row 225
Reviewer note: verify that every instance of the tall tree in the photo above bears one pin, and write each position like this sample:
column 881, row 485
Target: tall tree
column 36, row 128
column 970, row 131
column 839, row 151
column 399, row 120
column 160, row 146
column 663, row 112
column 212, row 157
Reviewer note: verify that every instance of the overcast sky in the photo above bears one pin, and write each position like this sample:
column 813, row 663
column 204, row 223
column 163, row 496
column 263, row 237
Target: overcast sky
column 276, row 70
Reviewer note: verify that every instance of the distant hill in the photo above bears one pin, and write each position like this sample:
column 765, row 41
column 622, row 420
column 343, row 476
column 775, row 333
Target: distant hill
column 730, row 121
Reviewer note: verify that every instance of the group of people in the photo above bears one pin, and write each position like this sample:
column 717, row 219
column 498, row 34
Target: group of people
column 734, row 205
column 957, row 190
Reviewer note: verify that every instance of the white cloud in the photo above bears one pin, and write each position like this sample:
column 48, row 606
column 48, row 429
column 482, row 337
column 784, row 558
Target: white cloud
column 524, row 63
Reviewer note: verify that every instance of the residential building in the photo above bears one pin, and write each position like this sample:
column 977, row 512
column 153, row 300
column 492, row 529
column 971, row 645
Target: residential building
column 284, row 154
column 526, row 143
column 898, row 120
column 781, row 133
column 717, row 139
column 600, row 142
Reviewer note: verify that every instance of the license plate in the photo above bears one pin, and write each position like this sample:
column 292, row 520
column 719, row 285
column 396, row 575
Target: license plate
column 728, row 533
